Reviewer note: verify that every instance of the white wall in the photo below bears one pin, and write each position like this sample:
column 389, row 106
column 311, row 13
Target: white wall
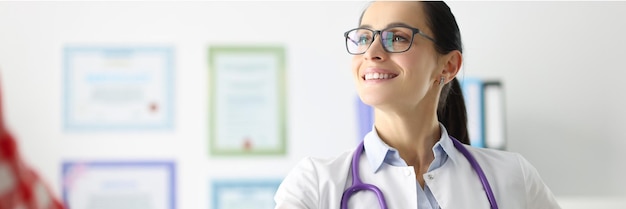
column 560, row 63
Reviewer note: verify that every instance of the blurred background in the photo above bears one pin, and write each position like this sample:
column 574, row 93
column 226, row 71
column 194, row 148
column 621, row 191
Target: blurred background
column 560, row 64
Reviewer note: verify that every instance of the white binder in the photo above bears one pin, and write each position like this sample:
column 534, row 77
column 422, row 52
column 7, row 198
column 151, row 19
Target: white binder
column 494, row 115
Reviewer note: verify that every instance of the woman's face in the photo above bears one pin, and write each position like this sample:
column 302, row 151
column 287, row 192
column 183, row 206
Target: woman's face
column 409, row 78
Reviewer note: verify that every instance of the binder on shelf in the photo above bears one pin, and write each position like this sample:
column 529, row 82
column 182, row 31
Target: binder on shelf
column 473, row 95
column 486, row 116
column 494, row 115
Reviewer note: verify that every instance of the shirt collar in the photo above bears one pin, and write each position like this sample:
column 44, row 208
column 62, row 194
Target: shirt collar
column 446, row 144
column 377, row 150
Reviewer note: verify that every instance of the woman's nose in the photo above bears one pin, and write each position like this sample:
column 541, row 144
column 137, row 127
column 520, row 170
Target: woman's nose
column 375, row 51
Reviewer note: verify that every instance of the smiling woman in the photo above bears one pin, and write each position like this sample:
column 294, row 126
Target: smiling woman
column 406, row 58
column 556, row 60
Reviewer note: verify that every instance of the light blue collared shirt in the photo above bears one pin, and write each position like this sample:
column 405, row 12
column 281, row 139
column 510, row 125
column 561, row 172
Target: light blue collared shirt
column 378, row 153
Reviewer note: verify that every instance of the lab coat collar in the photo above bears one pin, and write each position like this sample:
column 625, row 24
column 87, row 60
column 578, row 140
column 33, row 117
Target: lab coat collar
column 376, row 150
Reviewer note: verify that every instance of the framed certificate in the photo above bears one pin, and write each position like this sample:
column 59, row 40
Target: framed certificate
column 247, row 100
column 148, row 185
column 118, row 88
column 233, row 194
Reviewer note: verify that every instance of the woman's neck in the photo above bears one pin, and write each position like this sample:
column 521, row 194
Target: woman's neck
column 413, row 135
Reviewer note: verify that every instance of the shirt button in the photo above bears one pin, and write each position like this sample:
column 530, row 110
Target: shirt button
column 407, row 172
column 431, row 176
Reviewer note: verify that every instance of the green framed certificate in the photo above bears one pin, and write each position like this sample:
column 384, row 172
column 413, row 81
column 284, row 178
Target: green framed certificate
column 247, row 100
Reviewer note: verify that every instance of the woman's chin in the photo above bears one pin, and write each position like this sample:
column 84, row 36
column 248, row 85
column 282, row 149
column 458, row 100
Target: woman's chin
column 374, row 101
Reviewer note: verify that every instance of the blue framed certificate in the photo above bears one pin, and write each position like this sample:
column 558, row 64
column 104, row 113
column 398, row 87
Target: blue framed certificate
column 148, row 185
column 233, row 194
column 118, row 88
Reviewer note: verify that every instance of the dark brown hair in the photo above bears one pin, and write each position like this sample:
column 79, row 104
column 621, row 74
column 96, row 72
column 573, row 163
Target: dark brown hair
column 451, row 108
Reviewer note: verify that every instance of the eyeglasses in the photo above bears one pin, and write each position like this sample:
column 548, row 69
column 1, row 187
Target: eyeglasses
column 395, row 39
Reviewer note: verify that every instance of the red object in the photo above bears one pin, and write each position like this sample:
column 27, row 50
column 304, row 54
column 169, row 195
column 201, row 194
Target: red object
column 20, row 185
column 247, row 144
column 154, row 107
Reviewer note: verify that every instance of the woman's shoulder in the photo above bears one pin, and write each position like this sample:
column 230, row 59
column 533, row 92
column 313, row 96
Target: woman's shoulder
column 512, row 168
column 501, row 161
column 505, row 163
column 321, row 164
column 312, row 178
column 494, row 155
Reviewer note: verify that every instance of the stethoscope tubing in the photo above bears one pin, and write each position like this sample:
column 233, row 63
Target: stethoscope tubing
column 481, row 175
column 358, row 185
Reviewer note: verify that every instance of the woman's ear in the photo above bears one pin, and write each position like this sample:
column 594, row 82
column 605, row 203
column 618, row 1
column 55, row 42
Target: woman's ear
column 452, row 65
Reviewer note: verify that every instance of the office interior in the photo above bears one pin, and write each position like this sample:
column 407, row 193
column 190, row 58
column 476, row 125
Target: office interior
column 560, row 64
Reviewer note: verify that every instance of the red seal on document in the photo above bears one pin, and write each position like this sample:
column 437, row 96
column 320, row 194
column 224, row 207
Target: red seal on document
column 154, row 107
column 247, row 144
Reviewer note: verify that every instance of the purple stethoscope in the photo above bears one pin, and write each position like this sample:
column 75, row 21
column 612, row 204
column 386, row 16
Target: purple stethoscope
column 358, row 185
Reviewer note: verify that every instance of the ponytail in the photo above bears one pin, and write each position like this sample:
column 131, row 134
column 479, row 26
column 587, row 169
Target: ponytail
column 451, row 108
column 451, row 111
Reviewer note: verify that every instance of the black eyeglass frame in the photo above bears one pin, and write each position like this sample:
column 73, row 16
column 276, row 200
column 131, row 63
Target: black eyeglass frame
column 379, row 33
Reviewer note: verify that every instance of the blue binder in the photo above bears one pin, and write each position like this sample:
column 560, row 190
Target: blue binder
column 473, row 95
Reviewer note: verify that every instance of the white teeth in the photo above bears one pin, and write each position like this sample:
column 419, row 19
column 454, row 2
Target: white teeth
column 375, row 76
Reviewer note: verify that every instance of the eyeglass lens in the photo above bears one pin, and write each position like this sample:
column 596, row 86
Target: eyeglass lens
column 396, row 39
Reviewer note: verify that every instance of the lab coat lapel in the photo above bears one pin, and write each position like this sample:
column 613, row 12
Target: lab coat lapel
column 456, row 185
column 397, row 184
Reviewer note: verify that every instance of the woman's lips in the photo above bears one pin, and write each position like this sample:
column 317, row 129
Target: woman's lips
column 378, row 76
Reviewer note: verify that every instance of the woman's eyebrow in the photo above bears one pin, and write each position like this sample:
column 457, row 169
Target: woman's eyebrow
column 393, row 24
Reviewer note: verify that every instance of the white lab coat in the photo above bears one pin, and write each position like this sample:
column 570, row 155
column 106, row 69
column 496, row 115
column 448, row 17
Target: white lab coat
column 319, row 183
